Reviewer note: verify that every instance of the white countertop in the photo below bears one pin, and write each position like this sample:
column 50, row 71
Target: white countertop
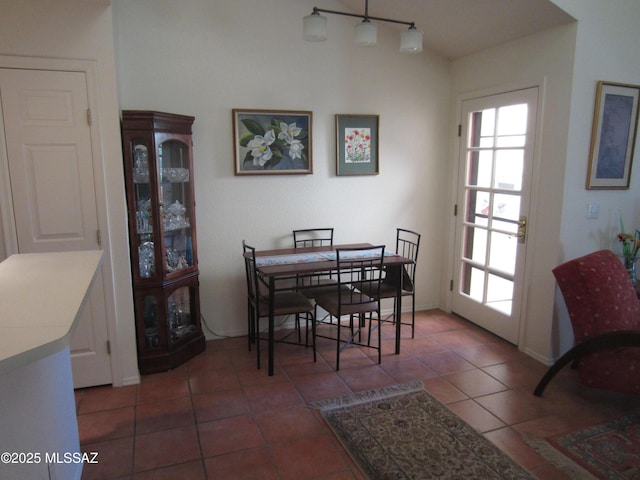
column 41, row 296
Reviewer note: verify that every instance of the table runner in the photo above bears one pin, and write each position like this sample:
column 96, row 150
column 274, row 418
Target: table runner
column 310, row 257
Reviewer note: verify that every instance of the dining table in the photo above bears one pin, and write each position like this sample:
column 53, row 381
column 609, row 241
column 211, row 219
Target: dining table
column 278, row 267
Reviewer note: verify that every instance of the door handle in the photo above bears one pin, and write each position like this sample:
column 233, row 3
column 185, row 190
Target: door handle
column 522, row 229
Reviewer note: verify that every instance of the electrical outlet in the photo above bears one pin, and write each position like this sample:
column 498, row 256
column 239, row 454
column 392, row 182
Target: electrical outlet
column 593, row 211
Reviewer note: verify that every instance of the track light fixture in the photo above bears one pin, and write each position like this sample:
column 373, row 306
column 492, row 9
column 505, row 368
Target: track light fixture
column 315, row 29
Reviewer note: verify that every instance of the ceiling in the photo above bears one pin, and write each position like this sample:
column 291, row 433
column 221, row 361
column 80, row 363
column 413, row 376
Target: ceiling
column 455, row 28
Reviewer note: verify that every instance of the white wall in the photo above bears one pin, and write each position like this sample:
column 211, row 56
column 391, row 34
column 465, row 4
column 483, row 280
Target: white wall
column 204, row 58
column 542, row 59
column 608, row 41
column 82, row 30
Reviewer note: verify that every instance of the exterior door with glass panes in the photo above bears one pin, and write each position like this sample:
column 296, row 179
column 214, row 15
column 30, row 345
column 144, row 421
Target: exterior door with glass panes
column 496, row 159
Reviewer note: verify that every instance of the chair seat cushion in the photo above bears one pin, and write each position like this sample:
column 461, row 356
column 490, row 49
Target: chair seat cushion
column 617, row 370
column 323, row 286
column 330, row 303
column 387, row 289
column 286, row 303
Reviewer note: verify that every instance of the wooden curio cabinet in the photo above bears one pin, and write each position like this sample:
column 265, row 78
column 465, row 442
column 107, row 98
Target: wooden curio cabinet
column 162, row 236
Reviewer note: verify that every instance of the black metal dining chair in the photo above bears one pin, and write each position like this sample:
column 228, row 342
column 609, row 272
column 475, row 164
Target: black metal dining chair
column 320, row 283
column 407, row 245
column 354, row 266
column 284, row 303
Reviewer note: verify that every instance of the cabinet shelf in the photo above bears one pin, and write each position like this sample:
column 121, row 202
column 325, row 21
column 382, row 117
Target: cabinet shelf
column 159, row 175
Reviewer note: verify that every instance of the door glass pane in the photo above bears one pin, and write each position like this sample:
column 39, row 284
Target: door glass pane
column 512, row 120
column 509, row 168
column 502, row 253
column 482, row 129
column 478, row 211
column 480, row 168
column 473, row 282
column 506, row 212
column 499, row 293
column 476, row 245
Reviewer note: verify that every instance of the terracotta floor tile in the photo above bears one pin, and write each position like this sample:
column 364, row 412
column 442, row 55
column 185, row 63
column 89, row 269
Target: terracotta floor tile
column 458, row 339
column 288, row 423
column 474, row 382
column 174, row 412
column 222, row 404
column 365, row 378
column 215, row 357
column 445, row 362
column 518, row 373
column 321, row 386
column 272, row 396
column 107, row 398
column 250, row 464
column 513, row 406
column 443, row 390
column 184, row 471
column 510, row 442
column 475, row 415
column 489, row 354
column 164, row 448
column 307, row 457
column 218, row 416
column 406, row 370
column 160, row 387
column 229, row 435
column 106, row 425
column 115, row 459
column 204, row 381
column 422, row 346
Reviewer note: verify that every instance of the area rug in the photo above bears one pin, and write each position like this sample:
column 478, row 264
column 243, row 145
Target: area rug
column 402, row 432
column 607, row 451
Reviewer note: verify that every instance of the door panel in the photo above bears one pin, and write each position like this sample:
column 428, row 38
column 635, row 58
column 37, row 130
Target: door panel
column 496, row 160
column 48, row 144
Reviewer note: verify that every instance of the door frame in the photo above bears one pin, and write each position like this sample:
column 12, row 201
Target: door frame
column 90, row 70
column 450, row 267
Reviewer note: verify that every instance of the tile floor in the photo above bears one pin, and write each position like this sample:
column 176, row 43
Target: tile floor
column 218, row 417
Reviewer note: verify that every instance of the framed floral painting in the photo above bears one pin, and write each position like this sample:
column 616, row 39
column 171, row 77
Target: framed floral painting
column 357, row 144
column 613, row 136
column 268, row 142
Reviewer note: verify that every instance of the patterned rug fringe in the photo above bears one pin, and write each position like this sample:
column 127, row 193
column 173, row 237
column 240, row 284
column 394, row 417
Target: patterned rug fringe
column 367, row 396
column 558, row 460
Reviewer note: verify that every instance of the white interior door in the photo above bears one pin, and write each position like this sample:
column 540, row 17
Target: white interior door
column 50, row 164
column 496, row 160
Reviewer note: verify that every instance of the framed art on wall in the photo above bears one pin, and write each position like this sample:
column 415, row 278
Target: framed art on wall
column 268, row 142
column 613, row 135
column 357, row 144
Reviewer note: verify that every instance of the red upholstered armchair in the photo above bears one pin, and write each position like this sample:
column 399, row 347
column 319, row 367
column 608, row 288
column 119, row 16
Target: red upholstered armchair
column 605, row 315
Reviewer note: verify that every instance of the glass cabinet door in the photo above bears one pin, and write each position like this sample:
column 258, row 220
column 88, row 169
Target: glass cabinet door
column 176, row 205
column 144, row 219
column 180, row 318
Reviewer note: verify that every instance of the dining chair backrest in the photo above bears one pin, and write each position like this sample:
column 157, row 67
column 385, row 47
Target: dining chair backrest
column 252, row 275
column 407, row 245
column 313, row 237
column 361, row 266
